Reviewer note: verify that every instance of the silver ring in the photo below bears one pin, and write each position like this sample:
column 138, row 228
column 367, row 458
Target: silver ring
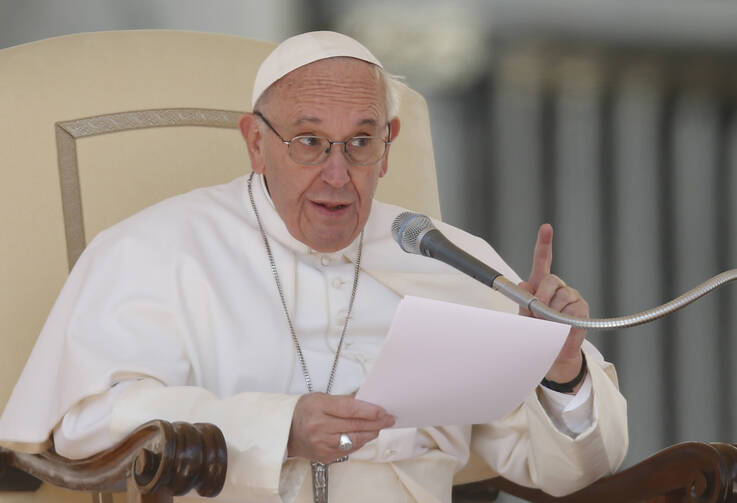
column 345, row 443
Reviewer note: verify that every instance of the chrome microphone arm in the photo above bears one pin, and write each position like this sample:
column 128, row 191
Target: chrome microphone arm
column 410, row 231
column 531, row 303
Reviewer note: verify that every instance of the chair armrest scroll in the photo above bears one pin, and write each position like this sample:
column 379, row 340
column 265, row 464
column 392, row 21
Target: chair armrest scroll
column 178, row 457
column 13, row 479
column 687, row 472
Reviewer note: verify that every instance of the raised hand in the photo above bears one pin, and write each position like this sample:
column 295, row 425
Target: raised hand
column 319, row 419
column 553, row 291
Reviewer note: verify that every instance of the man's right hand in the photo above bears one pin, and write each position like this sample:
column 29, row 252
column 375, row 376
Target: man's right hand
column 319, row 419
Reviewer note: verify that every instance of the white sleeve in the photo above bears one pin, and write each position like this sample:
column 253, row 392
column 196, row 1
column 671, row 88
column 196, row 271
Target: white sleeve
column 255, row 426
column 85, row 429
column 571, row 414
column 527, row 448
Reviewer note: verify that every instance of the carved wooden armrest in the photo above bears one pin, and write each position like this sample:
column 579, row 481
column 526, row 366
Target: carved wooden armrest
column 171, row 458
column 688, row 472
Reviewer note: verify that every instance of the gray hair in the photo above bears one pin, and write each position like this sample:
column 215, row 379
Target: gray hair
column 393, row 89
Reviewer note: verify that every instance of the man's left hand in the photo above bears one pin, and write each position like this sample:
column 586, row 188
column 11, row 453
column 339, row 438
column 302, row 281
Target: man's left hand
column 553, row 291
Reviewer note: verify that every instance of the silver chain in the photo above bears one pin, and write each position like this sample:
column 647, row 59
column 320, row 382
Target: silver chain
column 274, row 272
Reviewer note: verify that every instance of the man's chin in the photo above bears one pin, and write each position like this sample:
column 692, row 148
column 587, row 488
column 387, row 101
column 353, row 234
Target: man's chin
column 328, row 237
column 329, row 242
column 323, row 247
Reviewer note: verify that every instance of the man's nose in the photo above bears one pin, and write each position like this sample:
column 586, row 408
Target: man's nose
column 335, row 168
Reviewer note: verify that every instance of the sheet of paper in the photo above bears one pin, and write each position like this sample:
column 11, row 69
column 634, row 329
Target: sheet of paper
column 446, row 364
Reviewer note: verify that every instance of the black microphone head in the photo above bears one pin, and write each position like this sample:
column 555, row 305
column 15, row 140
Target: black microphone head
column 408, row 229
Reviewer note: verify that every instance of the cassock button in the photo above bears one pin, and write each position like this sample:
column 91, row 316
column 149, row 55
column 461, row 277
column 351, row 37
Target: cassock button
column 325, row 260
column 340, row 316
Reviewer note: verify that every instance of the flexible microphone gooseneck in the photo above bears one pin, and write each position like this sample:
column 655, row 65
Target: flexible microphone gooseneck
column 416, row 233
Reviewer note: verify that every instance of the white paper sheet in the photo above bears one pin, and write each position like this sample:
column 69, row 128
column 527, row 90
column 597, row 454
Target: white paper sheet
column 446, row 364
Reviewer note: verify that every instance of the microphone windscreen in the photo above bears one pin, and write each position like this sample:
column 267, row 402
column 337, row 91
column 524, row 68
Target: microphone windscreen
column 406, row 229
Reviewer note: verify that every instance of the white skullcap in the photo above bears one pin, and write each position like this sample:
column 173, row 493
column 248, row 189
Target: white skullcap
column 304, row 49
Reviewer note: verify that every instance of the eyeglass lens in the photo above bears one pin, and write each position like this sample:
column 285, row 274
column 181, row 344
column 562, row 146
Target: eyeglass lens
column 359, row 150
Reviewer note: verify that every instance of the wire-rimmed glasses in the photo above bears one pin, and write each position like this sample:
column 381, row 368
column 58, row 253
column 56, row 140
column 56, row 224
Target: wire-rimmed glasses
column 309, row 150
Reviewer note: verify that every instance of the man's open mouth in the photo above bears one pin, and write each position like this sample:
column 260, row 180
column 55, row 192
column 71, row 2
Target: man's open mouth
column 331, row 206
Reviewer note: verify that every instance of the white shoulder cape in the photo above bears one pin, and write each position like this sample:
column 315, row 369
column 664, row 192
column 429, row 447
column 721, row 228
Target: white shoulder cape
column 59, row 372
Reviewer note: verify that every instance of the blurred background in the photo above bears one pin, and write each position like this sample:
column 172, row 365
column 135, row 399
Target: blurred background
column 612, row 119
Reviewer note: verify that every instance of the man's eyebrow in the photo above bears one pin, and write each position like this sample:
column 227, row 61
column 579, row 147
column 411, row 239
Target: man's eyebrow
column 369, row 122
column 316, row 120
column 308, row 118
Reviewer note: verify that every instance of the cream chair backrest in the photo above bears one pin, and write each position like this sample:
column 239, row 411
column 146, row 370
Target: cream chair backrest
column 96, row 126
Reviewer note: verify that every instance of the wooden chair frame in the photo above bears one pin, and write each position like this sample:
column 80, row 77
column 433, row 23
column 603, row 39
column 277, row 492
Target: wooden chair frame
column 157, row 461
column 687, row 472
column 160, row 460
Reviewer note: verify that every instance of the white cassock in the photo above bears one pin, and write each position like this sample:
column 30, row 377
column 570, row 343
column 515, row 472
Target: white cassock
column 174, row 314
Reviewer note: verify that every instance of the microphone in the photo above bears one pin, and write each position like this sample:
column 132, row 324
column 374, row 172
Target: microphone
column 417, row 234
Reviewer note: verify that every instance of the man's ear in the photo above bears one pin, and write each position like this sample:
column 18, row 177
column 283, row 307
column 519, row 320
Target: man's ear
column 254, row 141
column 394, row 125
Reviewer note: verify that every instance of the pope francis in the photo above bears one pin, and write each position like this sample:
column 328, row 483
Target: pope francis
column 261, row 304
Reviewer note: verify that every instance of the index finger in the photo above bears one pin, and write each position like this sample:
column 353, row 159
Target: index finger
column 542, row 258
column 345, row 406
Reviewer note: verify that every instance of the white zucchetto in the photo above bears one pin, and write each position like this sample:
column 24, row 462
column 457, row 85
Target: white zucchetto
column 304, row 49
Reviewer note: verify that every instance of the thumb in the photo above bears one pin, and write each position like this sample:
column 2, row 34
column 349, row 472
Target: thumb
column 527, row 287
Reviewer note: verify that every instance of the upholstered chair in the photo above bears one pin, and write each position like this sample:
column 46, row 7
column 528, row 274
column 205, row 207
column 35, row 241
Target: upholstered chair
column 95, row 127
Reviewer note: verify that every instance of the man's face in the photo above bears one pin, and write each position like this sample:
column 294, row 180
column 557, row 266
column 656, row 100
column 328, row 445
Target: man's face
column 324, row 206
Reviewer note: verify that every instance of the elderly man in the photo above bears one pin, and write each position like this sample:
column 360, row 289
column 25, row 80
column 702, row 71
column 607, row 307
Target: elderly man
column 260, row 305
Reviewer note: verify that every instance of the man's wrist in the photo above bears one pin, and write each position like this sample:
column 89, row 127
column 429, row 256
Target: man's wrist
column 571, row 385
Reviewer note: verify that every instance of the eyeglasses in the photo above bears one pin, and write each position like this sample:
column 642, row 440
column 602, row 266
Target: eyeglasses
column 311, row 150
